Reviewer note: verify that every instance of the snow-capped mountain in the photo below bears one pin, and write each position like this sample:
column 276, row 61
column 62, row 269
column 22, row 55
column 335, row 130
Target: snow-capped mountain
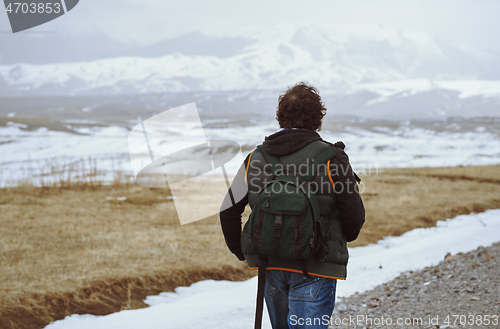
column 332, row 60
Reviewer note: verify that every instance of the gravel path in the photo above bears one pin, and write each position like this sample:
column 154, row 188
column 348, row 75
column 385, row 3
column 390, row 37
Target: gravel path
column 460, row 292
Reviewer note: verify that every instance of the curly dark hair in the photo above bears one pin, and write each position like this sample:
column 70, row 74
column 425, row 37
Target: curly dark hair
column 300, row 107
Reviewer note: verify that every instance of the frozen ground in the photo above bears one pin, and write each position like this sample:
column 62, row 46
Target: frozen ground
column 222, row 304
column 29, row 153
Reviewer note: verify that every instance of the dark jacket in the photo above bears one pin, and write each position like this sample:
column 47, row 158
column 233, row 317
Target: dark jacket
column 344, row 201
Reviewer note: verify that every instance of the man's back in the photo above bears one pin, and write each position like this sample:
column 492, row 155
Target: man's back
column 295, row 155
column 301, row 288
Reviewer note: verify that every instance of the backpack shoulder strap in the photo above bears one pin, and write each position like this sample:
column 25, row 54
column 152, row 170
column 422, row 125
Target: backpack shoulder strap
column 323, row 157
column 273, row 161
column 248, row 166
column 325, row 154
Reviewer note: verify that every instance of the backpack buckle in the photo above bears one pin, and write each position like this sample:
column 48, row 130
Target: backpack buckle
column 278, row 221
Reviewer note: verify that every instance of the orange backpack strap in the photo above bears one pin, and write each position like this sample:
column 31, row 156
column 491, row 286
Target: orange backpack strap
column 248, row 165
column 329, row 173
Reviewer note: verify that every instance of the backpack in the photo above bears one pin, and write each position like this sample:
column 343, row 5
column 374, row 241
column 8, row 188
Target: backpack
column 285, row 221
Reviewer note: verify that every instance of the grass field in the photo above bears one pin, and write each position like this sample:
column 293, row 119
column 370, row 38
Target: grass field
column 86, row 249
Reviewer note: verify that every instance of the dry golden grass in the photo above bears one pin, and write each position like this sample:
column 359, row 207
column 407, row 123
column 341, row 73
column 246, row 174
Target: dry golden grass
column 59, row 241
column 399, row 200
column 72, row 250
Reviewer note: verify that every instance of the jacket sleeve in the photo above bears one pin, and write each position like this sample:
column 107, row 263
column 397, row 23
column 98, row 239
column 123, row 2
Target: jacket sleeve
column 349, row 203
column 230, row 213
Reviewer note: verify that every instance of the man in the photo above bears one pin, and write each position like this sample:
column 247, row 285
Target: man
column 301, row 294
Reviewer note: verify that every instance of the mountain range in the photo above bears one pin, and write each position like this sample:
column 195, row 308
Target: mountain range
column 269, row 59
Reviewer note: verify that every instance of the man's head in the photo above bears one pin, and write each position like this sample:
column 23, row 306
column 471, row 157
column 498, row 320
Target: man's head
column 300, row 107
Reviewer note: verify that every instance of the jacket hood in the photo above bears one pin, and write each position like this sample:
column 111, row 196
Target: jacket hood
column 288, row 141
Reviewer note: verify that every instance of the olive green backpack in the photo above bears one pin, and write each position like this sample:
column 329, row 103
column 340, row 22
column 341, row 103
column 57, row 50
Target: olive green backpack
column 285, row 220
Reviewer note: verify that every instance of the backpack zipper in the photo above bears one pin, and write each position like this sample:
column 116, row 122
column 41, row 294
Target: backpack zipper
column 268, row 200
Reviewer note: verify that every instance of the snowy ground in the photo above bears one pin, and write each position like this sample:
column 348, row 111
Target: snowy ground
column 222, row 304
column 27, row 153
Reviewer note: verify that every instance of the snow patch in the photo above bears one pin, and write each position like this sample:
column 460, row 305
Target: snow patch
column 222, row 304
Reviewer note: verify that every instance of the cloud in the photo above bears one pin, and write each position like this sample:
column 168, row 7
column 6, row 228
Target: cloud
column 144, row 22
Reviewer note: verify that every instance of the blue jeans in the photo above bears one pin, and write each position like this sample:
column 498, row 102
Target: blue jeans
column 294, row 301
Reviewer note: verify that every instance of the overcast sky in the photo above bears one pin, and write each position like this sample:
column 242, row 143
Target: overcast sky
column 473, row 22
